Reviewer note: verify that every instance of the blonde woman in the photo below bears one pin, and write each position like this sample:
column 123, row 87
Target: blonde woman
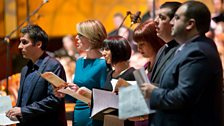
column 91, row 70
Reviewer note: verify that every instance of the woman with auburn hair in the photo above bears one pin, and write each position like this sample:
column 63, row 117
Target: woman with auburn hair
column 148, row 45
column 148, row 42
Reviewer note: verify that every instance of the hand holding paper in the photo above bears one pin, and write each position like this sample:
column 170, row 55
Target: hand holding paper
column 6, row 106
column 147, row 89
column 13, row 113
column 120, row 83
column 83, row 93
column 116, row 84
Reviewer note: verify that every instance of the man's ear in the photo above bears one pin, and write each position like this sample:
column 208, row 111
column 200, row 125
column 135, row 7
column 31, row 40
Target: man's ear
column 39, row 44
column 191, row 24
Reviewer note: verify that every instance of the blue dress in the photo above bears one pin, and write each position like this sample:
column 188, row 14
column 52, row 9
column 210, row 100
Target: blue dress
column 90, row 73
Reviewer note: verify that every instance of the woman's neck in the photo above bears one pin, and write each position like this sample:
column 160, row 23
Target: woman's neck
column 152, row 61
column 120, row 67
column 93, row 54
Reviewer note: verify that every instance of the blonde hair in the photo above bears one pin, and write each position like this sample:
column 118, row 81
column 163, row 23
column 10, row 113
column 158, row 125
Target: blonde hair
column 94, row 31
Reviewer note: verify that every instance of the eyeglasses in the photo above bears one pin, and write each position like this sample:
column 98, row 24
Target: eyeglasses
column 80, row 35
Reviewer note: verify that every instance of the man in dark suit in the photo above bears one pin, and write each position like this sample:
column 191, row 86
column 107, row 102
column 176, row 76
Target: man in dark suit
column 163, row 28
column 36, row 104
column 191, row 84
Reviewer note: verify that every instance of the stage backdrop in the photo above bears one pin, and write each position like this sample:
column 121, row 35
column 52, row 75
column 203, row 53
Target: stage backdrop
column 58, row 18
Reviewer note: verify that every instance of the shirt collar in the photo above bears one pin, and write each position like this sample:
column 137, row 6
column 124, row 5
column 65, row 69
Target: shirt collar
column 186, row 42
column 171, row 44
column 37, row 64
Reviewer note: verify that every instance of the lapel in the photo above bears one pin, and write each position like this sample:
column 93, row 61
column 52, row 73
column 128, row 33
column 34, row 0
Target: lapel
column 163, row 62
column 158, row 56
column 180, row 55
column 23, row 73
column 176, row 58
column 36, row 78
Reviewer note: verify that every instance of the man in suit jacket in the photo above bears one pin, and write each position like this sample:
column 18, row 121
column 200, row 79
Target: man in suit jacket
column 36, row 104
column 191, row 84
column 163, row 28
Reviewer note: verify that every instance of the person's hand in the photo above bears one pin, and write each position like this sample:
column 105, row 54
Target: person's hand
column 139, row 118
column 73, row 86
column 59, row 94
column 13, row 113
column 147, row 89
column 89, row 104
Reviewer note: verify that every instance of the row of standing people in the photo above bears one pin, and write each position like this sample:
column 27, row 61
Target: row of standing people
column 185, row 74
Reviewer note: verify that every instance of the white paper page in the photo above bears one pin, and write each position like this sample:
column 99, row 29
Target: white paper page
column 140, row 76
column 132, row 82
column 4, row 120
column 113, row 83
column 5, row 105
column 132, row 103
column 102, row 100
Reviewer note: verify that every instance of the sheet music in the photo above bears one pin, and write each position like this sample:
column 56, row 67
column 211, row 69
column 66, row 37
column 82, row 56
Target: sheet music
column 132, row 103
column 102, row 100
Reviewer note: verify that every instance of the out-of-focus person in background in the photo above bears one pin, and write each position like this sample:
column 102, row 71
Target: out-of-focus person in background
column 149, row 13
column 68, row 49
column 123, row 30
column 218, row 14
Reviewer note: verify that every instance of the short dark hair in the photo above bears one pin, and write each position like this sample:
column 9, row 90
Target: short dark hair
column 173, row 6
column 36, row 33
column 147, row 32
column 119, row 48
column 200, row 13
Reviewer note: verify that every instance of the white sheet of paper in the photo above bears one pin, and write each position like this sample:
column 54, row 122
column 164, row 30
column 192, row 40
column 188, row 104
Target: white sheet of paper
column 5, row 105
column 103, row 99
column 140, row 76
column 132, row 103
column 114, row 82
